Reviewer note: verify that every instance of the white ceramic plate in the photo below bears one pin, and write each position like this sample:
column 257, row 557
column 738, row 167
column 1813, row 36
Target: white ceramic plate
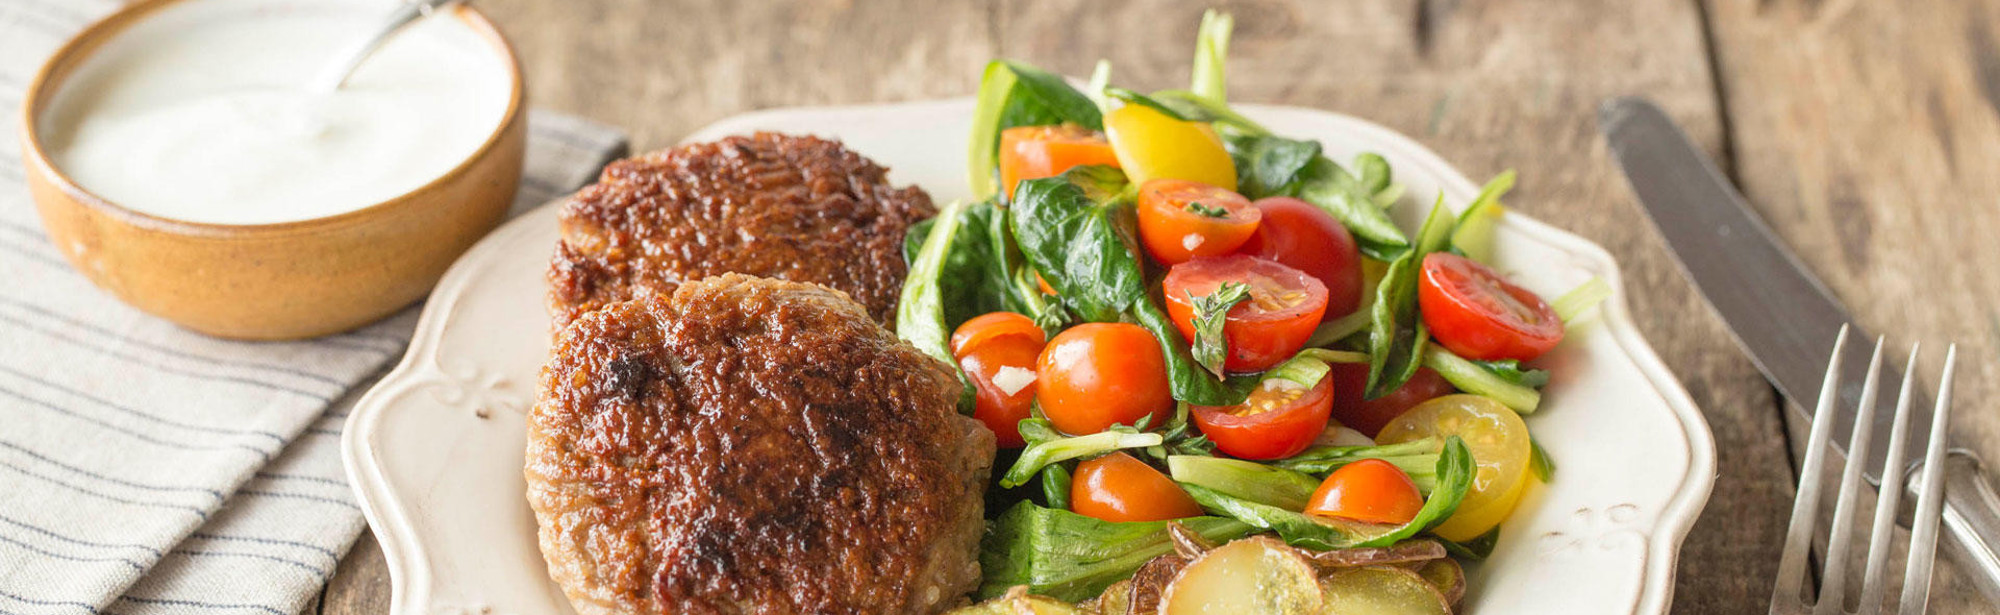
column 435, row 450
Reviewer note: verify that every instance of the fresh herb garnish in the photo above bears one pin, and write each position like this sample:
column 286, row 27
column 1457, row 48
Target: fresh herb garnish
column 1210, row 313
column 1203, row 209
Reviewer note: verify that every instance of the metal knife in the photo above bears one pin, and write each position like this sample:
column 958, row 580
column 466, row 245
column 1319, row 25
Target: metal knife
column 1781, row 315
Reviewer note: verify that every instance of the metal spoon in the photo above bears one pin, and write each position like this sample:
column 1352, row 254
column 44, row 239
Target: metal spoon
column 336, row 74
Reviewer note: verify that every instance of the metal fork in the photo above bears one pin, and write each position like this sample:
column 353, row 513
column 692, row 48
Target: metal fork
column 1787, row 599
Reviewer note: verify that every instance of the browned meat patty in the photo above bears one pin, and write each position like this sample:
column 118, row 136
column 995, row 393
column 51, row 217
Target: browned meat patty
column 797, row 208
column 750, row 445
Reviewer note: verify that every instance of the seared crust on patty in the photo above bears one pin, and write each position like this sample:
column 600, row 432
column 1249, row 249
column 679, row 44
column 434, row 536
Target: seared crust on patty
column 750, row 445
column 797, row 208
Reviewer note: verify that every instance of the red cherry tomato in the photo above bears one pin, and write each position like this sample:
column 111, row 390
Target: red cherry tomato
column 1300, row 235
column 998, row 352
column 1119, row 488
column 1371, row 491
column 1350, row 382
column 994, row 325
column 1264, row 330
column 1181, row 220
column 1032, row 152
column 1096, row 375
column 1274, row 423
column 1480, row 315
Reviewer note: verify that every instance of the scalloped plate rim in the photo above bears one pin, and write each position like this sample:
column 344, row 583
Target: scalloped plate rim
column 411, row 579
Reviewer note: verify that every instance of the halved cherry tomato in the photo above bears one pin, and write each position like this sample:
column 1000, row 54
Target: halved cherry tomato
column 1350, row 382
column 1480, row 315
column 998, row 352
column 1300, row 235
column 1180, row 220
column 991, row 326
column 1032, row 152
column 1119, row 488
column 1151, row 144
column 1370, row 491
column 1274, row 423
column 1096, row 375
column 1498, row 440
column 1284, row 306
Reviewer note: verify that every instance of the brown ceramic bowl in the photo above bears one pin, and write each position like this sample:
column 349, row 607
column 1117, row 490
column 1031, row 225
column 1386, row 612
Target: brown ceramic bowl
column 273, row 281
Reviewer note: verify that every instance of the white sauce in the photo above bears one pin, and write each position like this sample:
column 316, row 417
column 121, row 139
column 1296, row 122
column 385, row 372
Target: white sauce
column 200, row 112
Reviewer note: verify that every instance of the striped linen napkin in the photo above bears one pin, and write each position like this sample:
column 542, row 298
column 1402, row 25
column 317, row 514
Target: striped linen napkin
column 145, row 469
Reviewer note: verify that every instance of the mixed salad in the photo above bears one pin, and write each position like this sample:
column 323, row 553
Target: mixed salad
column 1222, row 378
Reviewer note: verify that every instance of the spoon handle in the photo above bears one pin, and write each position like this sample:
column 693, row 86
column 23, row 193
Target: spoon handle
column 336, row 73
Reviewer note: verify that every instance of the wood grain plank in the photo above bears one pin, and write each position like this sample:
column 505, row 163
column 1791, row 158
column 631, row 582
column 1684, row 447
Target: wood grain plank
column 1866, row 133
column 360, row 586
column 661, row 69
column 1492, row 86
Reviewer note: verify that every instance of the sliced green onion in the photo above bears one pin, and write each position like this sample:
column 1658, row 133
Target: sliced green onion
column 1211, row 54
column 1100, row 79
column 1303, row 370
column 1249, row 480
column 1580, row 299
column 1338, row 329
column 1335, row 356
column 1474, row 235
column 1472, row 378
column 1042, row 454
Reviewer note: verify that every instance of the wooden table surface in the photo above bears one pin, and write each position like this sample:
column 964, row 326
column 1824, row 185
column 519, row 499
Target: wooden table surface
column 1865, row 131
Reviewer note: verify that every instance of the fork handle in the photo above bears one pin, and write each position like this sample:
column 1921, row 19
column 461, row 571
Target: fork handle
column 1972, row 522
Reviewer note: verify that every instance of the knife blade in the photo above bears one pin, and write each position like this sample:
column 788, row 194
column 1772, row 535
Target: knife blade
column 1784, row 318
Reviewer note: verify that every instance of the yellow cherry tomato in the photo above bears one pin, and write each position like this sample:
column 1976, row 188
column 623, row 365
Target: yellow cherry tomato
column 1152, row 145
column 1500, row 450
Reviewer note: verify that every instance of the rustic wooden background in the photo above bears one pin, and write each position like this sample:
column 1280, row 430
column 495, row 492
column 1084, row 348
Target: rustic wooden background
column 1864, row 130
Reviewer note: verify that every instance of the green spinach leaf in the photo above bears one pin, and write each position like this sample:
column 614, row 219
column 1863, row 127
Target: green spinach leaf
column 1397, row 336
column 1077, row 230
column 921, row 318
column 1056, row 485
column 1072, row 557
column 1269, row 165
column 1476, row 549
column 1349, row 200
column 1541, row 463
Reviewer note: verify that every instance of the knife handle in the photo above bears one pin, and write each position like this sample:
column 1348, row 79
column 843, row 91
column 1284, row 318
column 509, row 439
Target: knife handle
column 1972, row 522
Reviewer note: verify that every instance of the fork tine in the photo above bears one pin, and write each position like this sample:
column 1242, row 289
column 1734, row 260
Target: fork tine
column 1840, row 540
column 1798, row 537
column 1930, row 501
column 1889, row 496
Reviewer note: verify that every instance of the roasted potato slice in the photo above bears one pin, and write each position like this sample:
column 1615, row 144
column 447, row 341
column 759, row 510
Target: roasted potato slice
column 1150, row 582
column 1382, row 590
column 1447, row 576
column 1116, row 600
column 1018, row 601
column 1257, row 576
column 1406, row 552
column 1186, row 542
